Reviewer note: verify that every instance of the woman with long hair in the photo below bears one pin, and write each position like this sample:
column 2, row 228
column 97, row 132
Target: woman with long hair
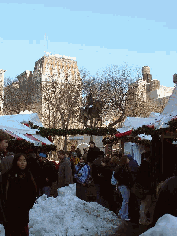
column 19, row 196
column 123, row 176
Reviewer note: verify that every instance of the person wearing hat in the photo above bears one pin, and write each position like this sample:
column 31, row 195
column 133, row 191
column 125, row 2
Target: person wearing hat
column 47, row 174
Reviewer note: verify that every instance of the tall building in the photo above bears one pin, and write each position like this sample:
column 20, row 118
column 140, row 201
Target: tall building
column 35, row 91
column 52, row 68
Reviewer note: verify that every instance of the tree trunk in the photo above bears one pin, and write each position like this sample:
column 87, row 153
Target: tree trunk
column 65, row 143
column 91, row 138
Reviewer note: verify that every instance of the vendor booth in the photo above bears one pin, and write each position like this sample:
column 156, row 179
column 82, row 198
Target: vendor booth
column 157, row 128
column 20, row 127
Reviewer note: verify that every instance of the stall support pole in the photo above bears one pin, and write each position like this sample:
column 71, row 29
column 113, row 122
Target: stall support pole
column 122, row 146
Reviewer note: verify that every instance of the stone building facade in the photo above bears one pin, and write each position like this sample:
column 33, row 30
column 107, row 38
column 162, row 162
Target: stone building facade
column 47, row 69
column 54, row 68
column 146, row 95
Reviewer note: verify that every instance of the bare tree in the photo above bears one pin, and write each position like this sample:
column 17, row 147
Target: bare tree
column 61, row 101
column 18, row 95
column 11, row 99
column 110, row 87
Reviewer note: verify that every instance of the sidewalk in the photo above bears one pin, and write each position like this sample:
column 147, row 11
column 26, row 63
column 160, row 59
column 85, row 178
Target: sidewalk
column 130, row 229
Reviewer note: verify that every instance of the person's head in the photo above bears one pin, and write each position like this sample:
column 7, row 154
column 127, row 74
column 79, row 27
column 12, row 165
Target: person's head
column 61, row 154
column 67, row 154
column 4, row 139
column 115, row 159
column 92, row 144
column 83, row 159
column 78, row 150
column 19, row 162
column 72, row 148
column 74, row 154
column 42, row 156
column 124, row 160
column 101, row 154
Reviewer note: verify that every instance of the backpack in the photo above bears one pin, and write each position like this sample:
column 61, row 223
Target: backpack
column 89, row 179
column 113, row 180
column 80, row 167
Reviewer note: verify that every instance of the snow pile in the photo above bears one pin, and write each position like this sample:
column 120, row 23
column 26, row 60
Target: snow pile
column 166, row 225
column 2, row 231
column 68, row 215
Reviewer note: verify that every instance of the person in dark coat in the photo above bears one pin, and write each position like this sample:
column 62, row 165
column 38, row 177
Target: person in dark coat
column 92, row 152
column 134, row 202
column 167, row 199
column 125, row 182
column 106, row 189
column 144, row 178
column 133, row 165
column 19, row 196
column 34, row 167
column 79, row 154
column 48, row 174
column 5, row 164
column 97, row 177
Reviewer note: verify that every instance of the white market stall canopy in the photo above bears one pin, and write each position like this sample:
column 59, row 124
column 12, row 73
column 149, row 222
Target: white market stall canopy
column 169, row 112
column 156, row 119
column 136, row 122
column 18, row 127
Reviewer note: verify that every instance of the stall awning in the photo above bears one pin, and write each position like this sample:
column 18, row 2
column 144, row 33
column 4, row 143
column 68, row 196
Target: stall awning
column 18, row 127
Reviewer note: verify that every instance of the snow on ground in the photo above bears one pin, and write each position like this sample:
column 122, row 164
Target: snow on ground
column 69, row 215
column 166, row 225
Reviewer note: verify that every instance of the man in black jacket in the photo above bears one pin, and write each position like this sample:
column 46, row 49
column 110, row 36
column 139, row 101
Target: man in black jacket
column 92, row 152
column 96, row 175
column 47, row 174
column 144, row 178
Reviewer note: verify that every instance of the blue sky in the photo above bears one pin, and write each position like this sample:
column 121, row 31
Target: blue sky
column 98, row 33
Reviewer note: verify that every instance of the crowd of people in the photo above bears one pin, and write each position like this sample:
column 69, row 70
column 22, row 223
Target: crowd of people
column 115, row 181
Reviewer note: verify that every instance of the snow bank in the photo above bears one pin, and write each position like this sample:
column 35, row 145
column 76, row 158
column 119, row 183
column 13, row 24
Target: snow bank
column 68, row 215
column 166, row 225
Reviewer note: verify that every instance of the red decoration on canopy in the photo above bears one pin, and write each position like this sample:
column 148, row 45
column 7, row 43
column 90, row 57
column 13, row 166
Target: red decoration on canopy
column 127, row 133
column 50, row 138
column 174, row 118
column 13, row 135
column 33, row 138
column 151, row 126
column 27, row 124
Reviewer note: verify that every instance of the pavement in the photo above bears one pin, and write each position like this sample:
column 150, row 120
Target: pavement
column 130, row 229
